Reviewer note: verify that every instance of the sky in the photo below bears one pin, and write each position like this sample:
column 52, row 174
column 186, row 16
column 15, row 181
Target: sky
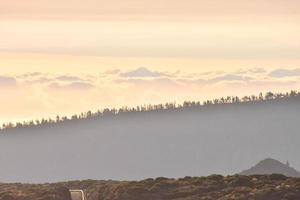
column 68, row 56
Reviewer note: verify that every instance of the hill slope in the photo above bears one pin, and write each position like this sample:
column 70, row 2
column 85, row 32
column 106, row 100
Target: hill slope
column 271, row 166
column 272, row 187
column 33, row 192
column 217, row 139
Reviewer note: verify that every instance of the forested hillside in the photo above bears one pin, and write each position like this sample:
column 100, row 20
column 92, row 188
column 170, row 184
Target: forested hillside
column 194, row 140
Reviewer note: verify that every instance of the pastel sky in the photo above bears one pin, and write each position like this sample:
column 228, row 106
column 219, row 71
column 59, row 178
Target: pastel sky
column 67, row 56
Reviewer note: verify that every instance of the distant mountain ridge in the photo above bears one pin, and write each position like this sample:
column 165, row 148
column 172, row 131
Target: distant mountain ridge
column 194, row 141
column 268, row 98
column 271, row 166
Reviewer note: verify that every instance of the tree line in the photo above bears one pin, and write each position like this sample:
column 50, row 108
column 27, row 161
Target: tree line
column 145, row 108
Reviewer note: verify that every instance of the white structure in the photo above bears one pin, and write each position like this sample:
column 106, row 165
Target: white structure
column 77, row 195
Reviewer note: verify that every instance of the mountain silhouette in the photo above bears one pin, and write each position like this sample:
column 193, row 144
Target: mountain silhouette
column 271, row 166
column 195, row 141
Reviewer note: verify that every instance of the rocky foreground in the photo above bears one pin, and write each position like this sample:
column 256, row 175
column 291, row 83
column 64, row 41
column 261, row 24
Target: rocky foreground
column 215, row 187
column 33, row 192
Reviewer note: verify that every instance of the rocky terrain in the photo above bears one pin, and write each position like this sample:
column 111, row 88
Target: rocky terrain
column 215, row 187
column 33, row 192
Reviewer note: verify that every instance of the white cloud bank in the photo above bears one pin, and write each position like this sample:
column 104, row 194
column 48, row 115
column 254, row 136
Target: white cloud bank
column 6, row 81
column 279, row 73
column 39, row 95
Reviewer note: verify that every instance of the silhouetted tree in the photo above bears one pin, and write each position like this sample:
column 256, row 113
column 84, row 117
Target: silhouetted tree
column 144, row 108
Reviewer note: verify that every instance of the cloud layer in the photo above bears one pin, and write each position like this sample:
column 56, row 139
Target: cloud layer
column 118, row 8
column 6, row 81
column 37, row 94
column 279, row 73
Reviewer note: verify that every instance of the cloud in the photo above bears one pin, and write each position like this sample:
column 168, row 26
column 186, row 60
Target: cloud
column 68, row 78
column 29, row 75
column 257, row 70
column 116, row 8
column 260, row 85
column 215, row 80
column 41, row 80
column 158, row 83
column 142, row 72
column 74, row 86
column 79, row 86
column 111, row 72
column 279, row 73
column 6, row 81
column 229, row 77
column 207, row 73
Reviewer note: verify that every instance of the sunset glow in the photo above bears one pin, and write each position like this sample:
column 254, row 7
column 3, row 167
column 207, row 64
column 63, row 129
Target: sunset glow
column 62, row 59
